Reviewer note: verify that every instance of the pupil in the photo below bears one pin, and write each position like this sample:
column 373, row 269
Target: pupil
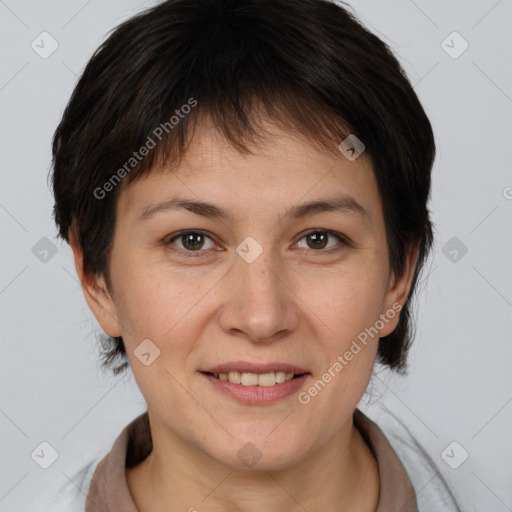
column 318, row 237
column 190, row 238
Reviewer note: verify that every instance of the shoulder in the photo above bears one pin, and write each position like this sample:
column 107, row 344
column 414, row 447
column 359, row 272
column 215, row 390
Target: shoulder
column 62, row 491
column 432, row 491
column 69, row 490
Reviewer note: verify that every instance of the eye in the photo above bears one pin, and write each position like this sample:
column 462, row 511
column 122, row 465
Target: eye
column 196, row 241
column 191, row 241
column 319, row 239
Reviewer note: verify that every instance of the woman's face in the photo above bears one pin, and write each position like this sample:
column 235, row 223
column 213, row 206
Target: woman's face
column 269, row 283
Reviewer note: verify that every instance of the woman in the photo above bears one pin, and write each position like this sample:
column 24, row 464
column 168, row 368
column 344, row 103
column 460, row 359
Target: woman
column 244, row 185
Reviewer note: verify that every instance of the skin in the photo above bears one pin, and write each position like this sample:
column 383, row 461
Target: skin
column 295, row 303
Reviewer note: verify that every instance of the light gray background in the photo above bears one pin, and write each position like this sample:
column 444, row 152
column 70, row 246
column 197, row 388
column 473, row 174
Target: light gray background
column 459, row 386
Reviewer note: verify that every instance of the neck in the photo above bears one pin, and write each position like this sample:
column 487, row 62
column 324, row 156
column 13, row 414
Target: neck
column 341, row 475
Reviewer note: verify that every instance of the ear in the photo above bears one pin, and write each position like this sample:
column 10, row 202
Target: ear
column 95, row 291
column 398, row 291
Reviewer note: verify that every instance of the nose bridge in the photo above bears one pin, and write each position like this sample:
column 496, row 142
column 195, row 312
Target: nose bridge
column 258, row 262
column 257, row 302
column 259, row 277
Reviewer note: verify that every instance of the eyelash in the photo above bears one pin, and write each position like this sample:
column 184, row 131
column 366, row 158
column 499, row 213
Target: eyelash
column 201, row 252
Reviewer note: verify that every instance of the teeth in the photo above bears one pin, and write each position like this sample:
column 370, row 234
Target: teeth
column 264, row 379
column 235, row 377
column 281, row 377
column 255, row 379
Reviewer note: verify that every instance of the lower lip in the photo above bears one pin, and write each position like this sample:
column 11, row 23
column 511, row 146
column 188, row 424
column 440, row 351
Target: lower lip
column 257, row 395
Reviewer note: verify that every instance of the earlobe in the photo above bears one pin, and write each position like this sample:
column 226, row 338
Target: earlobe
column 95, row 292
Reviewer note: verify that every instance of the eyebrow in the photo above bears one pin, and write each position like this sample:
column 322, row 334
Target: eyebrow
column 341, row 203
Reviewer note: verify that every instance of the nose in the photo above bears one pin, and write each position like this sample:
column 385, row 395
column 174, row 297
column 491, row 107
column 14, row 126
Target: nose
column 257, row 303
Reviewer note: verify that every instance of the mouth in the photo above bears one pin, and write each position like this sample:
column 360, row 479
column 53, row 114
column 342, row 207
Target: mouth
column 250, row 388
column 255, row 379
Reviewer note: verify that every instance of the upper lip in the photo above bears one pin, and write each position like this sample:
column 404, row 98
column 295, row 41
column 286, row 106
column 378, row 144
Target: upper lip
column 248, row 367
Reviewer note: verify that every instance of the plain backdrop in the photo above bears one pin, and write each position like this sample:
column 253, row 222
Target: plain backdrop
column 459, row 386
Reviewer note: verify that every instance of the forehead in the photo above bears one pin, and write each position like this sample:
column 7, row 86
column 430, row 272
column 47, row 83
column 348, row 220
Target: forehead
column 273, row 143
column 281, row 168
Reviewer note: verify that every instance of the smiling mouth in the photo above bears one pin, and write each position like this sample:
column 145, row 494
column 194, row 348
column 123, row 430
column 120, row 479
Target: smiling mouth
column 255, row 379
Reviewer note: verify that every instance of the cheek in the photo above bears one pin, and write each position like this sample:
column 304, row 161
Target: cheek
column 168, row 310
column 352, row 348
column 349, row 302
column 350, row 305
column 348, row 354
column 152, row 301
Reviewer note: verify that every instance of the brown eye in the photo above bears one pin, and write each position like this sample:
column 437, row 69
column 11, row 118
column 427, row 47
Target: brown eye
column 191, row 241
column 319, row 239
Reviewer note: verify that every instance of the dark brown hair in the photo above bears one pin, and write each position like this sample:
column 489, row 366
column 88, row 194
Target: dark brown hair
column 309, row 65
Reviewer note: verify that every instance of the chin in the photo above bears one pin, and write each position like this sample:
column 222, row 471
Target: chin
column 258, row 453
